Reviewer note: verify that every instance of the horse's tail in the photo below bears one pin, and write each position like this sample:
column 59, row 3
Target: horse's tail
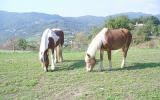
column 59, row 52
column 59, row 48
column 129, row 39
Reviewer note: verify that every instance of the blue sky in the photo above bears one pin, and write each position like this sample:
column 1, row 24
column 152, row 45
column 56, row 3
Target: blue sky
column 81, row 7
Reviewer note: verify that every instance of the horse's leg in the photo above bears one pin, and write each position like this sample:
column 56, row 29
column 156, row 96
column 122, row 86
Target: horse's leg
column 101, row 60
column 124, row 50
column 55, row 55
column 52, row 60
column 109, row 58
column 60, row 53
column 44, row 67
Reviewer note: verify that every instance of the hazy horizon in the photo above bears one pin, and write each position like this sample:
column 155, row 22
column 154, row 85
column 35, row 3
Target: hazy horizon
column 76, row 8
column 77, row 16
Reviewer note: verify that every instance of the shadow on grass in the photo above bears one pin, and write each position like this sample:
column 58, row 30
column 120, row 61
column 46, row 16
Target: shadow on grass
column 71, row 64
column 76, row 64
column 137, row 66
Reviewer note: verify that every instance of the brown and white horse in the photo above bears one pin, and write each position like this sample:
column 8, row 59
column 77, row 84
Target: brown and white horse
column 51, row 39
column 107, row 40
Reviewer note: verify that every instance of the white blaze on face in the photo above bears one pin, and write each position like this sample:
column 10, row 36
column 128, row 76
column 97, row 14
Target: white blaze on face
column 88, row 66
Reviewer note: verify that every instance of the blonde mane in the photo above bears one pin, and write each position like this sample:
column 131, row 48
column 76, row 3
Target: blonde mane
column 97, row 42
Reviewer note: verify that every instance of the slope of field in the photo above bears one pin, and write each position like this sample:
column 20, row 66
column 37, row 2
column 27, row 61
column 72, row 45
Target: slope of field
column 21, row 77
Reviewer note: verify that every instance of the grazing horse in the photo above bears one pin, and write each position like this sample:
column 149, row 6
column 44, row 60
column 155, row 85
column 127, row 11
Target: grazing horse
column 107, row 40
column 51, row 39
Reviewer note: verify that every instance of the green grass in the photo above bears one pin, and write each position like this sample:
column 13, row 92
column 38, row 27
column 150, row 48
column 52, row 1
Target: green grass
column 21, row 77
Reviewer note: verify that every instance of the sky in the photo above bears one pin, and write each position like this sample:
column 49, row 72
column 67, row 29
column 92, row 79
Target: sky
column 74, row 8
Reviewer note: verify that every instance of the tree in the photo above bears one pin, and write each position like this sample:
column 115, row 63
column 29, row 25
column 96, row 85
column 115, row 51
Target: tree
column 152, row 20
column 118, row 22
column 158, row 28
column 80, row 40
column 151, row 24
column 11, row 44
column 22, row 43
column 94, row 31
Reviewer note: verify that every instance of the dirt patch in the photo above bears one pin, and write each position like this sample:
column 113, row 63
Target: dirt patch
column 40, row 84
column 72, row 92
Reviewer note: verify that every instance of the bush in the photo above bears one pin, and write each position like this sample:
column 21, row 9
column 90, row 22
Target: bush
column 22, row 43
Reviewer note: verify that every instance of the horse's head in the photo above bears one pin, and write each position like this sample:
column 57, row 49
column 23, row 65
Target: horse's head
column 90, row 62
column 44, row 60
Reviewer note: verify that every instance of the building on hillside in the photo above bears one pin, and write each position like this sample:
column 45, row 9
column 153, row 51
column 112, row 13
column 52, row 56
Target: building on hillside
column 139, row 24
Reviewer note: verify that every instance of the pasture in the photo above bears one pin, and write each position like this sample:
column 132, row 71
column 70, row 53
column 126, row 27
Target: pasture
column 21, row 77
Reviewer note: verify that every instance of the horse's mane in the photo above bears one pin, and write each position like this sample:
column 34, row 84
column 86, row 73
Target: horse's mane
column 96, row 43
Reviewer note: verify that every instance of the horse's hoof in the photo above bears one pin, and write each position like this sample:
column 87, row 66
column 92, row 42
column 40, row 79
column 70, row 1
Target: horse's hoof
column 45, row 70
column 54, row 69
column 60, row 61
column 88, row 70
column 55, row 61
column 123, row 67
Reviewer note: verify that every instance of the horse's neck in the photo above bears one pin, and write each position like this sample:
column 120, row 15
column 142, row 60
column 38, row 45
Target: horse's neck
column 97, row 42
column 94, row 46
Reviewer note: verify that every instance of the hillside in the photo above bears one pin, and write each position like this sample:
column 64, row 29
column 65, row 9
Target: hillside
column 31, row 25
column 133, row 15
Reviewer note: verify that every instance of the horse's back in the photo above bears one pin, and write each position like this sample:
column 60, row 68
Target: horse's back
column 117, row 38
column 60, row 34
column 118, row 33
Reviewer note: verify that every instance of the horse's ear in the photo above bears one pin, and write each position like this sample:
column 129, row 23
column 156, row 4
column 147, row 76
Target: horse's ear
column 88, row 55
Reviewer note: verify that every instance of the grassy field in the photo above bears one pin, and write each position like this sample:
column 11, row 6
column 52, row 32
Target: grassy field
column 21, row 77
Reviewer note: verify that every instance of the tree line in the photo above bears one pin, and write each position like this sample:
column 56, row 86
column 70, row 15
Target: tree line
column 141, row 28
column 16, row 43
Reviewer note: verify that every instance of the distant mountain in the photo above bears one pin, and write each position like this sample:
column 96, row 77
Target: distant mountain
column 132, row 15
column 158, row 16
column 31, row 25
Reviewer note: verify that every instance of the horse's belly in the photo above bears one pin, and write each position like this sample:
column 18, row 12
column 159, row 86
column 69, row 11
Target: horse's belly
column 117, row 45
column 114, row 45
